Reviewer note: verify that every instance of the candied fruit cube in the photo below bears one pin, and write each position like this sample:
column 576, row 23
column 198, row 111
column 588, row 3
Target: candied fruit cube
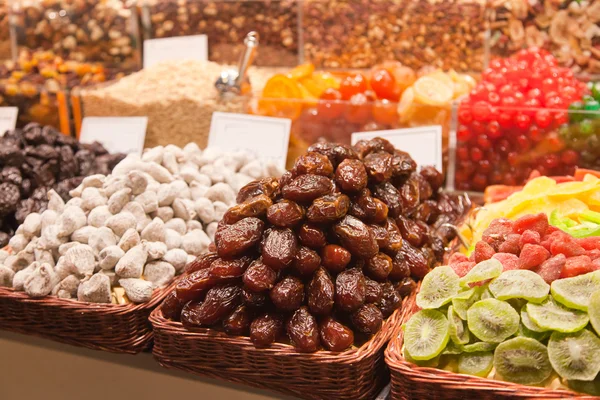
column 575, row 266
column 537, row 222
column 532, row 256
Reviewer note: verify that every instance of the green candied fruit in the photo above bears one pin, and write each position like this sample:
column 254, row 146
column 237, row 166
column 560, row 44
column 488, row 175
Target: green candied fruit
column 593, row 107
column 595, row 90
column 586, row 127
column 575, row 111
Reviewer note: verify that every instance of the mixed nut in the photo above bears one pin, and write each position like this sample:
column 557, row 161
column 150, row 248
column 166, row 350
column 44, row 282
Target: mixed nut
column 335, row 243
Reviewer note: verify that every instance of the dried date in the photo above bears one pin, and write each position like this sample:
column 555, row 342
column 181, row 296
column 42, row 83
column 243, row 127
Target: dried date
column 238, row 322
column 356, row 237
column 253, row 207
column 378, row 267
column 405, row 287
column 259, row 277
column 229, row 269
column 288, row 294
column 372, row 291
column 409, row 193
column 411, row 231
column 279, row 248
column 335, row 258
column 390, row 299
column 369, row 209
column 234, row 240
column 195, row 285
column 267, row 186
column 306, row 188
column 306, row 261
column 172, row 306
column 400, row 268
column 285, row 214
column 201, row 262
column 351, row 176
column 415, row 260
column 254, row 300
column 312, row 236
column 378, row 144
column 313, row 163
column 387, row 193
column 321, row 293
column 367, row 319
column 379, row 166
column 303, row 331
column 335, row 336
column 402, row 164
column 350, row 290
column 328, row 208
column 218, row 303
column 334, row 151
column 266, row 329
column 434, row 177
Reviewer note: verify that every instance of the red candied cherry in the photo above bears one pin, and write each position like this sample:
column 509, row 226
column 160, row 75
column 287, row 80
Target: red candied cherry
column 505, row 119
column 493, row 157
column 329, row 105
column 480, row 181
column 531, row 103
column 554, row 142
column 485, row 74
column 462, row 153
column 509, row 179
column 569, row 157
column 503, row 146
column 483, row 142
column 534, row 93
column 352, row 85
column 506, row 90
column 497, row 78
column 535, row 79
column 543, row 118
column 535, row 133
column 541, row 169
column 555, row 102
column 497, row 63
column 493, row 130
column 481, row 111
column 569, row 92
column 478, row 127
column 480, row 92
column 523, row 83
column 385, row 112
column 476, row 154
column 463, row 134
column 464, row 115
column 550, row 161
column 384, row 84
column 523, row 142
column 513, row 158
column 566, row 73
column 519, row 97
column 523, row 121
column 359, row 110
column 496, row 178
column 561, row 118
column 494, row 98
column 485, row 166
column 467, row 167
column 509, row 101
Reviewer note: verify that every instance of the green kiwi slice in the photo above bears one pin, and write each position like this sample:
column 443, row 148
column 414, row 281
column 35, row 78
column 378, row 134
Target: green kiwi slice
column 426, row 334
column 575, row 292
column 520, row 284
column 433, row 363
column 453, row 349
column 459, row 333
column 529, row 324
column 481, row 272
column 479, row 347
column 522, row 360
column 551, row 315
column 464, row 300
column 479, row 363
column 438, row 288
column 575, row 355
column 492, row 320
column 594, row 310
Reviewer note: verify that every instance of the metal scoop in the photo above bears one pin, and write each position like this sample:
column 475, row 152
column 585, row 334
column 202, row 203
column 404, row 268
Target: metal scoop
column 230, row 81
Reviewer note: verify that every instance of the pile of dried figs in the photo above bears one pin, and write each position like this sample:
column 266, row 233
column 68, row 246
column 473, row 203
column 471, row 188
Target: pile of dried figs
column 324, row 254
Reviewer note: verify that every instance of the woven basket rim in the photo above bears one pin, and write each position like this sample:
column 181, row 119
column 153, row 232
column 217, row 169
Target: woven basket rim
column 356, row 354
column 398, row 364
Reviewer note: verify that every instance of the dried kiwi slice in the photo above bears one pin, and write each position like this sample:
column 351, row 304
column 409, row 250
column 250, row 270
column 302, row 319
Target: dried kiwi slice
column 453, row 349
column 479, row 347
column 522, row 360
column 438, row 288
column 594, row 310
column 520, row 284
column 539, row 336
column 589, row 387
column 551, row 315
column 492, row 320
column 433, row 363
column 575, row 355
column 464, row 300
column 458, row 330
column 483, row 271
column 426, row 334
column 575, row 292
column 529, row 324
column 479, row 363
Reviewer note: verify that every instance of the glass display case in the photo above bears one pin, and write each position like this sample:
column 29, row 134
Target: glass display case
column 226, row 23
column 361, row 33
column 104, row 31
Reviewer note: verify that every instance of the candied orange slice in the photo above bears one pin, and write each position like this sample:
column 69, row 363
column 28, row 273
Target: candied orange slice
column 441, row 76
column 432, row 91
column 405, row 106
column 301, row 71
column 319, row 82
column 281, row 97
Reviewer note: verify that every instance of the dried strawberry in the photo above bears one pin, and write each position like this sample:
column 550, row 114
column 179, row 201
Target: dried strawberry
column 537, row 222
column 590, row 243
column 511, row 245
column 531, row 237
column 509, row 261
column 456, row 258
column 596, row 264
column 551, row 269
column 576, row 266
column 532, row 256
column 463, row 268
column 497, row 232
column 567, row 246
column 483, row 251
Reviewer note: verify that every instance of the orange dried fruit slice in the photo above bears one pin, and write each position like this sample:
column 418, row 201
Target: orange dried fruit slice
column 319, row 82
column 432, row 91
column 281, row 97
column 301, row 71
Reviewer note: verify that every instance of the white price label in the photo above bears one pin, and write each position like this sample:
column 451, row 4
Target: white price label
column 424, row 144
column 117, row 134
column 175, row 49
column 8, row 119
column 266, row 136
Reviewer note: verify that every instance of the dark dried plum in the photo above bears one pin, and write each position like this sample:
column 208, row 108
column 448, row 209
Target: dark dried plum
column 328, row 208
column 306, row 188
column 321, row 293
column 303, row 331
column 285, row 214
column 9, row 197
column 279, row 248
column 233, row 240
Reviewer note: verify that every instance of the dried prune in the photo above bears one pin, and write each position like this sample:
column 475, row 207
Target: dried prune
column 378, row 267
column 9, row 197
column 306, row 188
column 415, row 260
column 84, row 159
column 411, row 231
column 409, row 193
column 356, row 237
column 303, row 331
column 238, row 322
column 379, row 166
column 279, row 248
column 405, row 287
column 390, row 299
column 350, row 290
column 313, row 163
column 335, row 336
column 312, row 236
column 434, row 177
column 369, row 209
column 402, row 164
column 172, row 306
column 288, row 294
column 306, row 261
column 259, row 277
column 328, row 208
column 234, row 240
column 366, row 147
column 387, row 193
column 229, row 268
column 201, row 262
column 321, row 293
column 373, row 291
column 253, row 207
column 285, row 214
column 11, row 155
column 335, row 258
column 351, row 176
column 254, row 300
column 68, row 165
column 266, row 186
column 218, row 303
column 400, row 268
column 195, row 285
column 367, row 319
column 11, row 175
column 266, row 329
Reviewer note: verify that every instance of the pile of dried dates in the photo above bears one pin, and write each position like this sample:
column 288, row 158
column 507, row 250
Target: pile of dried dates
column 324, row 254
column 38, row 158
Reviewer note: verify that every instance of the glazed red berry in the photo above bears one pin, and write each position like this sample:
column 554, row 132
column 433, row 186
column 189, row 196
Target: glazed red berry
column 481, row 111
column 551, row 161
column 494, row 130
column 483, row 142
column 569, row 157
column 543, row 118
column 465, row 116
column 463, row 133
column 462, row 153
column 476, row 154
column 505, row 119
column 523, row 121
column 523, row 142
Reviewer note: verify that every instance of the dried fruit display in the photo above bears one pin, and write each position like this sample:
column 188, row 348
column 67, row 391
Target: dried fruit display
column 126, row 233
column 102, row 31
column 445, row 34
column 518, row 120
column 568, row 29
column 333, row 105
column 5, row 45
column 38, row 158
column 327, row 261
column 226, row 23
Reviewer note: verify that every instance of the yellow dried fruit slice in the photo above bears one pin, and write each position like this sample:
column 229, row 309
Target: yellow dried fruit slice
column 431, row 91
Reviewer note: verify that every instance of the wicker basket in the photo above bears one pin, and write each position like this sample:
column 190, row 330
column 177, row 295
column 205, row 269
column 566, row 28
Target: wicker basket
column 358, row 373
column 412, row 382
column 108, row 327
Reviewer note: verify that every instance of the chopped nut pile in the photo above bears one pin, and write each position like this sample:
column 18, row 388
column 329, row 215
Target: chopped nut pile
column 122, row 235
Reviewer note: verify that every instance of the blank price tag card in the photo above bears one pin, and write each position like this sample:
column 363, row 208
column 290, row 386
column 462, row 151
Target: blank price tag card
column 175, row 49
column 8, row 119
column 117, row 134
